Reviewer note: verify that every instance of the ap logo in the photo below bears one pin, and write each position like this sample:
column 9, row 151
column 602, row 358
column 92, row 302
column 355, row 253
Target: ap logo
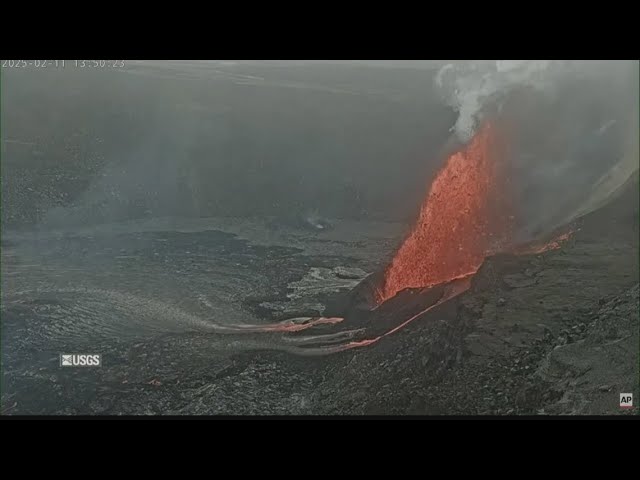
column 626, row 400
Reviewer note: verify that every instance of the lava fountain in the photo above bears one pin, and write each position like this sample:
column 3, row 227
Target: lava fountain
column 465, row 216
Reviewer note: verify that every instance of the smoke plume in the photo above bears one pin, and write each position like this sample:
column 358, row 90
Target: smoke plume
column 569, row 128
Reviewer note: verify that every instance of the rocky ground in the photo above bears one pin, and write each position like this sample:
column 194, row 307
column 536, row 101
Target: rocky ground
column 154, row 299
column 555, row 333
column 552, row 333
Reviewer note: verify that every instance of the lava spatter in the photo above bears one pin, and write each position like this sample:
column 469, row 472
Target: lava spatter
column 465, row 216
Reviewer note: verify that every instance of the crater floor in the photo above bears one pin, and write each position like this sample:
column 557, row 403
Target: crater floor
column 554, row 333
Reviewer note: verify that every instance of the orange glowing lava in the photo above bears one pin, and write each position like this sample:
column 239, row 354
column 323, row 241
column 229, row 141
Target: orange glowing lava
column 291, row 325
column 465, row 216
column 553, row 244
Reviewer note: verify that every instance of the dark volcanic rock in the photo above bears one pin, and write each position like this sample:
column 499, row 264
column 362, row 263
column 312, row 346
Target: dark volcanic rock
column 546, row 347
column 512, row 345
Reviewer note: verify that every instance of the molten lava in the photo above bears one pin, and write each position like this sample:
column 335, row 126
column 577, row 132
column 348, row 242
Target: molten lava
column 553, row 244
column 465, row 216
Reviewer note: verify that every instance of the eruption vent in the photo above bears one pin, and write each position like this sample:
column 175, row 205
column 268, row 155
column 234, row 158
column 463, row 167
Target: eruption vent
column 465, row 216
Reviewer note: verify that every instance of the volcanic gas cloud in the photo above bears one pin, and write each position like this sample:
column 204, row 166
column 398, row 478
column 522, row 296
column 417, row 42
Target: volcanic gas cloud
column 465, row 216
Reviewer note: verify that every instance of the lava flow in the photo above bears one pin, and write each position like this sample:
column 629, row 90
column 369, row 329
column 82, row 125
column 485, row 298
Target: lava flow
column 553, row 244
column 465, row 216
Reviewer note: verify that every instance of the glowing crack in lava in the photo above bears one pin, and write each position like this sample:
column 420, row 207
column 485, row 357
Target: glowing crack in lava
column 291, row 325
column 553, row 244
column 465, row 216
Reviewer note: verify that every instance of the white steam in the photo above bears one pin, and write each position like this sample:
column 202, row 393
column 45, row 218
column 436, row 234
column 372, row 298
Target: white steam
column 575, row 140
column 470, row 87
